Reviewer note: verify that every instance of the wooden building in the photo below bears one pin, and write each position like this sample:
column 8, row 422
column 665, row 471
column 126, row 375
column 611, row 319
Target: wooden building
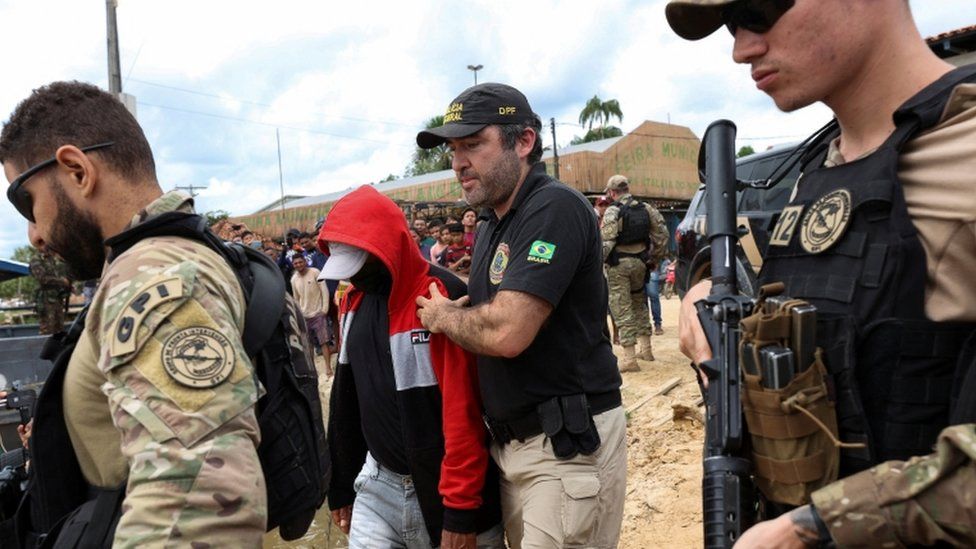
column 661, row 161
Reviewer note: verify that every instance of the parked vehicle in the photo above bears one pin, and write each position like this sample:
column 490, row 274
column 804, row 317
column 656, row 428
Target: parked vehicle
column 758, row 210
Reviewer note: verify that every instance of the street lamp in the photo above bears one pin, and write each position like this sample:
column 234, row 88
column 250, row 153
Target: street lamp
column 475, row 69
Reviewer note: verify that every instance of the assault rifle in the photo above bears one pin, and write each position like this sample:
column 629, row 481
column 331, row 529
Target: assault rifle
column 22, row 400
column 727, row 491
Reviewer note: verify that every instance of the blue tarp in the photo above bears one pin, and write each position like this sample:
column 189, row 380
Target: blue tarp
column 12, row 269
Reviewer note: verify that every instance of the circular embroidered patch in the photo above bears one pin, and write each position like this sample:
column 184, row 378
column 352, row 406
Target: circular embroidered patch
column 825, row 221
column 498, row 264
column 198, row 357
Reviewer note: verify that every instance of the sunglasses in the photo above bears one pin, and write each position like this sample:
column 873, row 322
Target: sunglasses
column 756, row 16
column 20, row 198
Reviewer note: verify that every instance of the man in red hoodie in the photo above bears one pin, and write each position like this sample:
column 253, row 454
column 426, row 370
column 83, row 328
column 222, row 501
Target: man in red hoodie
column 404, row 401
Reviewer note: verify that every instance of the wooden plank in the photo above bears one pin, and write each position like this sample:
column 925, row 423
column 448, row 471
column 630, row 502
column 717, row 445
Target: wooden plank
column 666, row 388
column 663, row 390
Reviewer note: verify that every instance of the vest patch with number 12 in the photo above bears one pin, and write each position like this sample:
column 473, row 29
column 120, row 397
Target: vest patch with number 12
column 786, row 226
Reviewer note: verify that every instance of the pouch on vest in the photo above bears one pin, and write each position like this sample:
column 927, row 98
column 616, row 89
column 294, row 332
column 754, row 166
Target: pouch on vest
column 786, row 401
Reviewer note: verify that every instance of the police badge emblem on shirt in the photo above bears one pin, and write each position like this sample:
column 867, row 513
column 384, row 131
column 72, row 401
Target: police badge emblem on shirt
column 825, row 221
column 198, row 357
column 499, row 262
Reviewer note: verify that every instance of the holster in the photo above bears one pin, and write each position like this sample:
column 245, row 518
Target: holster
column 613, row 258
column 568, row 423
column 793, row 429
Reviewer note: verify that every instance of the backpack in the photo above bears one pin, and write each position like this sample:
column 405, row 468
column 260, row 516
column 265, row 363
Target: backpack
column 293, row 451
column 635, row 222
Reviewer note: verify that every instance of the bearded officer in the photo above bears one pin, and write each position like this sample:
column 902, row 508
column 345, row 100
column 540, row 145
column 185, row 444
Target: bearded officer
column 151, row 421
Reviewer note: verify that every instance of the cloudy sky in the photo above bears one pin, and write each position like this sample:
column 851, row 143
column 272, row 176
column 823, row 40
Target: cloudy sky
column 348, row 84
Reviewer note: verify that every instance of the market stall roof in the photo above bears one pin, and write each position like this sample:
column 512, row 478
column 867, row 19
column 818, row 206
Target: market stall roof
column 12, row 269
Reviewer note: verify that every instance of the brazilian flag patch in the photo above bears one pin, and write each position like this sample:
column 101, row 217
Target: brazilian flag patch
column 541, row 252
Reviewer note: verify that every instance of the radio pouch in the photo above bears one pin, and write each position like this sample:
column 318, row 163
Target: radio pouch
column 568, row 424
column 792, row 422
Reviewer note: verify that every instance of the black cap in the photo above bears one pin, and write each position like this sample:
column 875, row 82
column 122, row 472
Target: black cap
column 477, row 107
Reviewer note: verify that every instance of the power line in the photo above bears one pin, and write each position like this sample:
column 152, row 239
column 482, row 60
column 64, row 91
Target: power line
column 270, row 125
column 268, row 105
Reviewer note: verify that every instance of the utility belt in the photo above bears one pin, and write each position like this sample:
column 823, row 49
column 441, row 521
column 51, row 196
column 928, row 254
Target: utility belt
column 566, row 420
column 613, row 258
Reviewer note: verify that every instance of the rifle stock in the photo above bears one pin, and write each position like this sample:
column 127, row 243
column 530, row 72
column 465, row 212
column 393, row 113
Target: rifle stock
column 727, row 492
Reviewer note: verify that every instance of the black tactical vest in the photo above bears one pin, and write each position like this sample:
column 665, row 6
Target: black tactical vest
column 635, row 222
column 60, row 509
column 846, row 244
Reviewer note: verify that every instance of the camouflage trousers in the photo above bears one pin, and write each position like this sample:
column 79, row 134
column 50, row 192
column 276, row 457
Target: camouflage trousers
column 50, row 311
column 628, row 305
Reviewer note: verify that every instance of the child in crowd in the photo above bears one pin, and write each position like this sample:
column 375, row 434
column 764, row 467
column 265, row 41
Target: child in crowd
column 457, row 256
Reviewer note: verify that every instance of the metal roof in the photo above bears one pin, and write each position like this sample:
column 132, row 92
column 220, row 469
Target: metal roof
column 12, row 269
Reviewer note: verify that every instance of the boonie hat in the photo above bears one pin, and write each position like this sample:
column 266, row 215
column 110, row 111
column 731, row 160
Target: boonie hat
column 344, row 261
column 477, row 107
column 695, row 19
column 617, row 183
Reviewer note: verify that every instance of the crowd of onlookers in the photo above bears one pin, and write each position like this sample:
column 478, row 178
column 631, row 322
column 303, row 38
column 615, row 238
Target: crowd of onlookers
column 444, row 241
column 447, row 242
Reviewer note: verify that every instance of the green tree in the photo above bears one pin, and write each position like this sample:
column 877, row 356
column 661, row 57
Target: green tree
column 22, row 287
column 430, row 160
column 601, row 113
column 596, row 134
column 745, row 151
column 216, row 216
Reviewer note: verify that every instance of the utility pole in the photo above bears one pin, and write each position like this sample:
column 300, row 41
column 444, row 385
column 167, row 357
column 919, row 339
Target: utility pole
column 555, row 153
column 281, row 183
column 114, row 70
column 189, row 189
column 475, row 69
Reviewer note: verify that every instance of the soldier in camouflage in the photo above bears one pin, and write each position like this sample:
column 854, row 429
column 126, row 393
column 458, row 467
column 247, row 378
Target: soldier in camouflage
column 159, row 394
column 627, row 264
column 926, row 501
column 53, row 290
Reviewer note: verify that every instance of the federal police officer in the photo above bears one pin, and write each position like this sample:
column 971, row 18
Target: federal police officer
column 153, row 409
column 872, row 237
column 634, row 238
column 548, row 377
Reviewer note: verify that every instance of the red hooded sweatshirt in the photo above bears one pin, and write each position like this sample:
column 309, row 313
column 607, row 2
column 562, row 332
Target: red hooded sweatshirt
column 436, row 381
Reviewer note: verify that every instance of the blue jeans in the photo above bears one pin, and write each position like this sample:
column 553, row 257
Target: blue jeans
column 653, row 291
column 386, row 513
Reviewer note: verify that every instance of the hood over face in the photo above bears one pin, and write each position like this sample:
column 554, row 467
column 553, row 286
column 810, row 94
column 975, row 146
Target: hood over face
column 371, row 221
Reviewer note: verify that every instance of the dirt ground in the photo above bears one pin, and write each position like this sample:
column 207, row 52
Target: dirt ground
column 663, row 504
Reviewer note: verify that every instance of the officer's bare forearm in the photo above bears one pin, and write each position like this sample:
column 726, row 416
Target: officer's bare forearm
column 505, row 326
column 470, row 327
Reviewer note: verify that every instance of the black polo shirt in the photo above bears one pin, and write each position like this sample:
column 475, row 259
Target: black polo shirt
column 547, row 245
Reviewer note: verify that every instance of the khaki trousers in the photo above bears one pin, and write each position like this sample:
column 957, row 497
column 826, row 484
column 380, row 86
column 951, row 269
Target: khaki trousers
column 548, row 502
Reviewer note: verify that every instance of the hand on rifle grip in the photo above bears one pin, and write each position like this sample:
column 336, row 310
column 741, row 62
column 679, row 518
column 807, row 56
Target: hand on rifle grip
column 691, row 337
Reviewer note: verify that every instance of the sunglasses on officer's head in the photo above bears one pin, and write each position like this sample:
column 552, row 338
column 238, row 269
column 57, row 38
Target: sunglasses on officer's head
column 757, row 16
column 20, row 198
